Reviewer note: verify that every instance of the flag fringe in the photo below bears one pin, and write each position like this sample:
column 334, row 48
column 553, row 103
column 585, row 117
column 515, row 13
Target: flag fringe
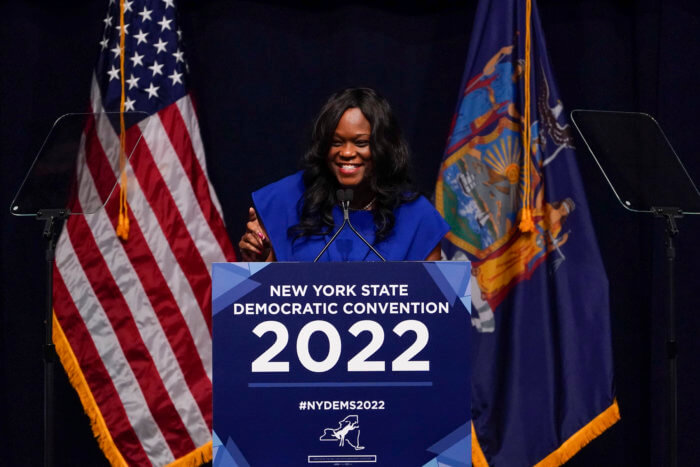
column 77, row 380
column 582, row 437
column 99, row 428
column 570, row 447
column 197, row 457
column 478, row 458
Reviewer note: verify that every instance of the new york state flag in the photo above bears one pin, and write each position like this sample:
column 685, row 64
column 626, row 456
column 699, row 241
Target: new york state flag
column 509, row 187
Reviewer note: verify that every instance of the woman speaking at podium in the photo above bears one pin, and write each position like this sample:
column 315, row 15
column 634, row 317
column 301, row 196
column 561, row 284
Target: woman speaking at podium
column 356, row 145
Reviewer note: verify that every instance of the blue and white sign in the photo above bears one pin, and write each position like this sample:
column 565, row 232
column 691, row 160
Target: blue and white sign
column 341, row 364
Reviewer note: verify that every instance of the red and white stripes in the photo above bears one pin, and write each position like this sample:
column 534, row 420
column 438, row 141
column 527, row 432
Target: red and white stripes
column 137, row 314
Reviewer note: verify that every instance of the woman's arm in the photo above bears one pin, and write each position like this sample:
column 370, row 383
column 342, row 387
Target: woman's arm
column 435, row 254
column 255, row 244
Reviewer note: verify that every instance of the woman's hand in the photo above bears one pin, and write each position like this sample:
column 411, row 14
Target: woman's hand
column 255, row 244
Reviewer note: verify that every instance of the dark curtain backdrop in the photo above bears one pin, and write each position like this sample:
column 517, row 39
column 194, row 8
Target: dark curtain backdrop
column 260, row 70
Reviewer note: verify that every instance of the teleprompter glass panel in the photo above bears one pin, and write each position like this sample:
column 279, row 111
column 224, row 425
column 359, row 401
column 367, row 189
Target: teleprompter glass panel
column 64, row 173
column 637, row 160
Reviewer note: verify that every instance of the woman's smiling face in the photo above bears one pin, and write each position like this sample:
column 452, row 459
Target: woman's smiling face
column 350, row 156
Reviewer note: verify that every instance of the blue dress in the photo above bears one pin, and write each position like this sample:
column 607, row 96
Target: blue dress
column 418, row 228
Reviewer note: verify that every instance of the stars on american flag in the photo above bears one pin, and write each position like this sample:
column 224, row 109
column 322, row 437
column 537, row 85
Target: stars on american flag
column 136, row 60
column 152, row 91
column 145, row 14
column 141, row 37
column 113, row 73
column 155, row 68
column 165, row 24
column 133, row 81
column 126, row 29
column 176, row 77
column 160, row 46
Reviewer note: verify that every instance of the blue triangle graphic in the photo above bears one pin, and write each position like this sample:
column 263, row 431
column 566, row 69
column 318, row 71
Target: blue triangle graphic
column 226, row 276
column 223, row 458
column 442, row 283
column 257, row 267
column 216, row 444
column 457, row 455
column 459, row 433
column 233, row 295
column 467, row 302
column 230, row 456
column 457, row 274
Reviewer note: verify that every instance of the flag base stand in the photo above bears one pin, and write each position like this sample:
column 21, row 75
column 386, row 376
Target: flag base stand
column 53, row 221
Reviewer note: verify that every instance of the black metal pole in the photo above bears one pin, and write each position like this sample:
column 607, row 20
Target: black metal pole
column 53, row 220
column 670, row 215
column 671, row 350
column 49, row 358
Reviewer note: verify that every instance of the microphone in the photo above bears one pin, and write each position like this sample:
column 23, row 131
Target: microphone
column 344, row 197
column 345, row 204
column 346, row 215
column 345, row 200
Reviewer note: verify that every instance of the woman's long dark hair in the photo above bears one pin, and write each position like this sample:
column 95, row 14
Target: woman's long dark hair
column 389, row 180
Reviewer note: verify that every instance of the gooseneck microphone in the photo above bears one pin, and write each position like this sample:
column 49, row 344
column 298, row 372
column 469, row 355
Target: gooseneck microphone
column 344, row 197
column 346, row 218
column 345, row 204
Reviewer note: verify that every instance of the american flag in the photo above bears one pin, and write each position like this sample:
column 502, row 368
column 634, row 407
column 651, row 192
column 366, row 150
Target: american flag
column 132, row 319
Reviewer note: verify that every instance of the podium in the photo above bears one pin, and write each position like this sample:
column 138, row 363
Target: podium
column 341, row 364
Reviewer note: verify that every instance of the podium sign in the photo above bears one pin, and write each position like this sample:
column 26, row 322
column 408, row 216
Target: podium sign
column 341, row 364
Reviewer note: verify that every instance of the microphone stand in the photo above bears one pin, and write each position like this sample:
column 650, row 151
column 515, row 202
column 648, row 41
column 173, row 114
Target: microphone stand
column 345, row 196
column 346, row 219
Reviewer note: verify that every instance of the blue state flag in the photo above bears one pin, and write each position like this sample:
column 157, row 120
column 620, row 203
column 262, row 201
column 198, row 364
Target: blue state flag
column 509, row 187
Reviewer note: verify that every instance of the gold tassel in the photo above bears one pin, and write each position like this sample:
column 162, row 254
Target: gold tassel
column 526, row 223
column 123, row 223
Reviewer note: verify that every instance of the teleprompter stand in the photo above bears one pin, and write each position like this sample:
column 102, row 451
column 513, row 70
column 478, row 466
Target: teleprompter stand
column 59, row 184
column 53, row 221
column 646, row 176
